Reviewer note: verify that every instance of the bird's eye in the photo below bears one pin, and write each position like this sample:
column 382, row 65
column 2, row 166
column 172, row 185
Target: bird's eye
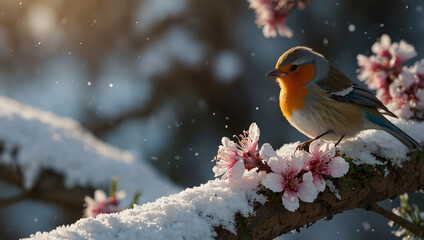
column 293, row 67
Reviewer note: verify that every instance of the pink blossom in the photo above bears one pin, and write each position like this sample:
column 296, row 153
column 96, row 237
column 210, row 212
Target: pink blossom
column 286, row 178
column 381, row 48
column 374, row 71
column 402, row 85
column 402, row 51
column 404, row 93
column 248, row 144
column 418, row 70
column 228, row 162
column 401, row 108
column 271, row 19
column 420, row 99
column 378, row 80
column 267, row 152
column 102, row 204
column 384, row 95
column 398, row 87
column 368, row 66
column 321, row 160
column 233, row 159
column 377, row 70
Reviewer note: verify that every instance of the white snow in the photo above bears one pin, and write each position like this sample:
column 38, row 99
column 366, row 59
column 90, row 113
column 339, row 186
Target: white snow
column 370, row 143
column 191, row 214
column 366, row 144
column 46, row 141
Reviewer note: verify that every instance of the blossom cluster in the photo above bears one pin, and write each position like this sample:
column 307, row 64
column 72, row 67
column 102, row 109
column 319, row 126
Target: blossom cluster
column 300, row 176
column 399, row 87
column 104, row 204
column 410, row 213
column 272, row 15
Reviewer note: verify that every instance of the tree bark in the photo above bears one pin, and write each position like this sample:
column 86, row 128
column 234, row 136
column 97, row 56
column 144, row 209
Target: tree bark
column 272, row 219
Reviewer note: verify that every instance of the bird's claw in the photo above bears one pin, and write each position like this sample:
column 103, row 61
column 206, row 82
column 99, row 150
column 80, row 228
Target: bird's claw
column 304, row 146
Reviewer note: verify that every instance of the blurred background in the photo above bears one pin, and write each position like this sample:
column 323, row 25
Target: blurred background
column 166, row 79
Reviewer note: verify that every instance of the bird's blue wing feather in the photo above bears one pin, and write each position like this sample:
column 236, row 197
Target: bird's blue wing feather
column 357, row 95
column 389, row 127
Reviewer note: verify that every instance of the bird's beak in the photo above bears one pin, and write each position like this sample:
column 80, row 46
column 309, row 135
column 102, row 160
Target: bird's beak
column 276, row 73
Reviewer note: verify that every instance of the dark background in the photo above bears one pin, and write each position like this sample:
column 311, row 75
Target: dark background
column 167, row 79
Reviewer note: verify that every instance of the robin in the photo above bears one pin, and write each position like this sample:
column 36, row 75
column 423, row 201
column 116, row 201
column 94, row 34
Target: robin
column 321, row 102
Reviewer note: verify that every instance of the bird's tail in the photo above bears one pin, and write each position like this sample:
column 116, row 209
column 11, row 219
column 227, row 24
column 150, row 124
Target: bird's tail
column 396, row 132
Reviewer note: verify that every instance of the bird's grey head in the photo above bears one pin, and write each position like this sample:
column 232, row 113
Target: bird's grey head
column 303, row 55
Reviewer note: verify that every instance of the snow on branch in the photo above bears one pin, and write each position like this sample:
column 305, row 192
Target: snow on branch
column 238, row 206
column 37, row 147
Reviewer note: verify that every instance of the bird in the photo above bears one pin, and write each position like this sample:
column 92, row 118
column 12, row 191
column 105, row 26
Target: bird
column 322, row 102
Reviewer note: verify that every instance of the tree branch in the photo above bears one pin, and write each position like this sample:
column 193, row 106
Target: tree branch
column 49, row 187
column 4, row 202
column 417, row 230
column 364, row 191
column 359, row 190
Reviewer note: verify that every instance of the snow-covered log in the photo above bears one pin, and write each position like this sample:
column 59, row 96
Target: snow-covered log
column 54, row 158
column 233, row 209
column 381, row 168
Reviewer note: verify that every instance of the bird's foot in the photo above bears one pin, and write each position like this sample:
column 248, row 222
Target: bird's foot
column 304, row 146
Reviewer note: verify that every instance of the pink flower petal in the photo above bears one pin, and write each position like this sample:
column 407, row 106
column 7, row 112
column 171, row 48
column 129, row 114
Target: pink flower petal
column 269, row 31
column 294, row 165
column 284, row 31
column 277, row 164
column 379, row 79
column 420, row 94
column 400, row 108
column 383, row 95
column 290, row 200
column 306, row 159
column 226, row 142
column 89, row 201
column 100, row 196
column 254, row 132
column 219, row 170
column 314, row 148
column 274, row 182
column 238, row 170
column 319, row 182
column 307, row 177
column 307, row 191
column 382, row 45
column 327, row 150
column 338, row 167
column 120, row 195
column 267, row 152
column 418, row 68
column 403, row 51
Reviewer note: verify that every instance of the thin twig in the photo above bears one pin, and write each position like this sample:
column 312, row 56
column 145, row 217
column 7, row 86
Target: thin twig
column 4, row 202
column 417, row 230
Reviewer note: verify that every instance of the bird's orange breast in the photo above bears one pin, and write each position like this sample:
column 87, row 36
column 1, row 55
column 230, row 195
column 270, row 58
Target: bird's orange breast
column 293, row 90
